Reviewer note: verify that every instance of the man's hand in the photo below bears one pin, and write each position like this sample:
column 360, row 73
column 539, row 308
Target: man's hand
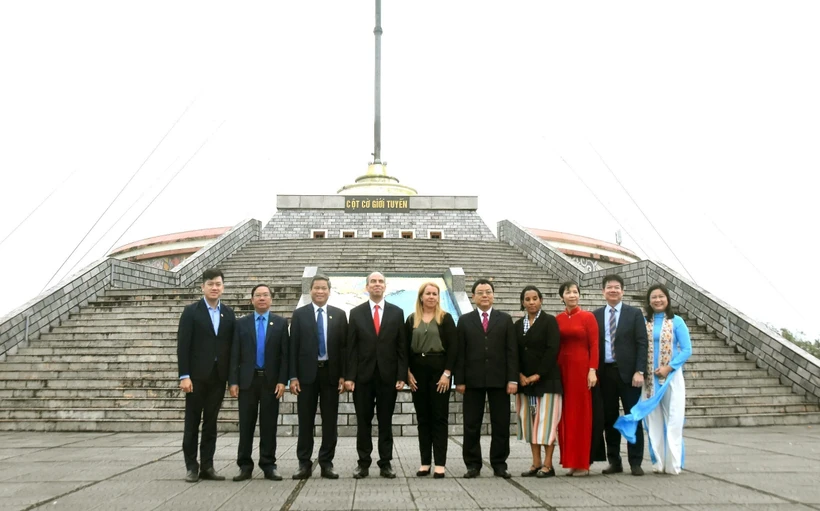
column 663, row 371
column 280, row 390
column 399, row 385
column 512, row 388
column 637, row 379
column 411, row 380
column 341, row 386
column 234, row 390
column 295, row 389
column 186, row 385
column 350, row 385
column 461, row 388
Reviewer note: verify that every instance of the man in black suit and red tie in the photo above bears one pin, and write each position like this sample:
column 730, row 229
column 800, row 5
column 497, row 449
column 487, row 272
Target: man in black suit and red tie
column 203, row 355
column 259, row 371
column 318, row 334
column 486, row 368
column 376, row 368
column 622, row 345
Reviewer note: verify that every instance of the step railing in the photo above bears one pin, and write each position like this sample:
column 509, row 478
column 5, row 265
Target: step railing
column 53, row 306
column 795, row 367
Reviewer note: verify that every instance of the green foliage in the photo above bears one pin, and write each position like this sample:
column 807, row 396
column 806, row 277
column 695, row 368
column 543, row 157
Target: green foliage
column 798, row 338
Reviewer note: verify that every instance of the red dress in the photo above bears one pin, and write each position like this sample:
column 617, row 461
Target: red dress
column 577, row 354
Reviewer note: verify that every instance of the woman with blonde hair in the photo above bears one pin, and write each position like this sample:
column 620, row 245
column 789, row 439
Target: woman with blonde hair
column 433, row 347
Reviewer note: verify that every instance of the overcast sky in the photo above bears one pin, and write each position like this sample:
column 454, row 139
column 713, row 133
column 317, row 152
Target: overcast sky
column 706, row 112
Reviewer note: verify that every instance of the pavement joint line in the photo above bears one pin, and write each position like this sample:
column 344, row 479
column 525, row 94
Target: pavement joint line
column 756, row 448
column 93, row 483
column 409, row 489
column 294, row 493
column 517, row 485
column 747, row 487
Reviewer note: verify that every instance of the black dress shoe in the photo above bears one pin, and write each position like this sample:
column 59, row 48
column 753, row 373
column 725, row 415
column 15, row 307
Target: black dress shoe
column 545, row 473
column 387, row 472
column 531, row 472
column 329, row 473
column 613, row 469
column 438, row 475
column 209, row 474
column 192, row 476
column 302, row 473
column 361, row 472
column 502, row 473
column 637, row 470
column 472, row 473
column 243, row 475
column 423, row 473
column 273, row 475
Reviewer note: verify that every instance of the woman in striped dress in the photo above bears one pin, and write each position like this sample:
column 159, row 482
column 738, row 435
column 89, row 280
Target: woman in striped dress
column 538, row 403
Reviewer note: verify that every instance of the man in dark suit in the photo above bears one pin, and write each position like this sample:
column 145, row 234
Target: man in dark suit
column 203, row 354
column 376, row 368
column 318, row 333
column 259, row 371
column 622, row 347
column 486, row 368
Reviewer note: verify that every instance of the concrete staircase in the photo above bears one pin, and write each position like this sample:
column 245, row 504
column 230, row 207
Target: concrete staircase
column 112, row 366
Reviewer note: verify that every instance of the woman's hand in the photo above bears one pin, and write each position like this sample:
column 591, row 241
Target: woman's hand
column 592, row 378
column 411, row 380
column 522, row 380
column 443, row 384
column 663, row 371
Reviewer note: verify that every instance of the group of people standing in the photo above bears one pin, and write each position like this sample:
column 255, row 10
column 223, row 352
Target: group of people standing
column 551, row 364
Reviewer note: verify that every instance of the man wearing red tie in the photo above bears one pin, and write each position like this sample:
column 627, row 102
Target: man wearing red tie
column 376, row 367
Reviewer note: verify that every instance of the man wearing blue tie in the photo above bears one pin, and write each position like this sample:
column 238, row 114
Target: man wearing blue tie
column 318, row 334
column 258, row 373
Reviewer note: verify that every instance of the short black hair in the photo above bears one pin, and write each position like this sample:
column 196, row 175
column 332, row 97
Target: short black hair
column 566, row 285
column 610, row 278
column 253, row 291
column 212, row 273
column 650, row 312
column 483, row 281
column 319, row 277
column 530, row 288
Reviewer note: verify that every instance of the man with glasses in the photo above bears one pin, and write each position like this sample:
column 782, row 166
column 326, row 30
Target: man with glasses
column 259, row 371
column 486, row 370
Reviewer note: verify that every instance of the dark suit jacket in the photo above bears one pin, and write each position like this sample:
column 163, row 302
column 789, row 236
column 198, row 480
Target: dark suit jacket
column 630, row 341
column 304, row 343
column 243, row 352
column 197, row 345
column 367, row 351
column 486, row 359
column 448, row 334
column 538, row 353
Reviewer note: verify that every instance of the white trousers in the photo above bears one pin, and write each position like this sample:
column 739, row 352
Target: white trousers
column 665, row 427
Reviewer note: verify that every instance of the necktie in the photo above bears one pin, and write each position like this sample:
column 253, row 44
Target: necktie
column 612, row 329
column 260, row 341
column 485, row 322
column 376, row 321
column 320, row 326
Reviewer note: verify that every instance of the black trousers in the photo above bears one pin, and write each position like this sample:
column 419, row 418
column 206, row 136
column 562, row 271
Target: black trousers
column 326, row 393
column 258, row 401
column 473, row 404
column 616, row 393
column 202, row 406
column 432, row 408
column 383, row 396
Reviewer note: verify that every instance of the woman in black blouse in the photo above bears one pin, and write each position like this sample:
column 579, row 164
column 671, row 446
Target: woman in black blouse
column 432, row 335
column 538, row 403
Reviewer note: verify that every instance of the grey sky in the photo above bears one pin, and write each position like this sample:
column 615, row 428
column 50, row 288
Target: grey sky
column 706, row 111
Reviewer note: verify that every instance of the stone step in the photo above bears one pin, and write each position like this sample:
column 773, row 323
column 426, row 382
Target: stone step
column 694, row 411
column 717, row 403
column 89, row 381
column 752, row 419
column 152, row 358
column 712, row 380
column 50, row 340
column 773, row 387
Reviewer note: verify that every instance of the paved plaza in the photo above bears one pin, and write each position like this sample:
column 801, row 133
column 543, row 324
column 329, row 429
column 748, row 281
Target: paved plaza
column 771, row 468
